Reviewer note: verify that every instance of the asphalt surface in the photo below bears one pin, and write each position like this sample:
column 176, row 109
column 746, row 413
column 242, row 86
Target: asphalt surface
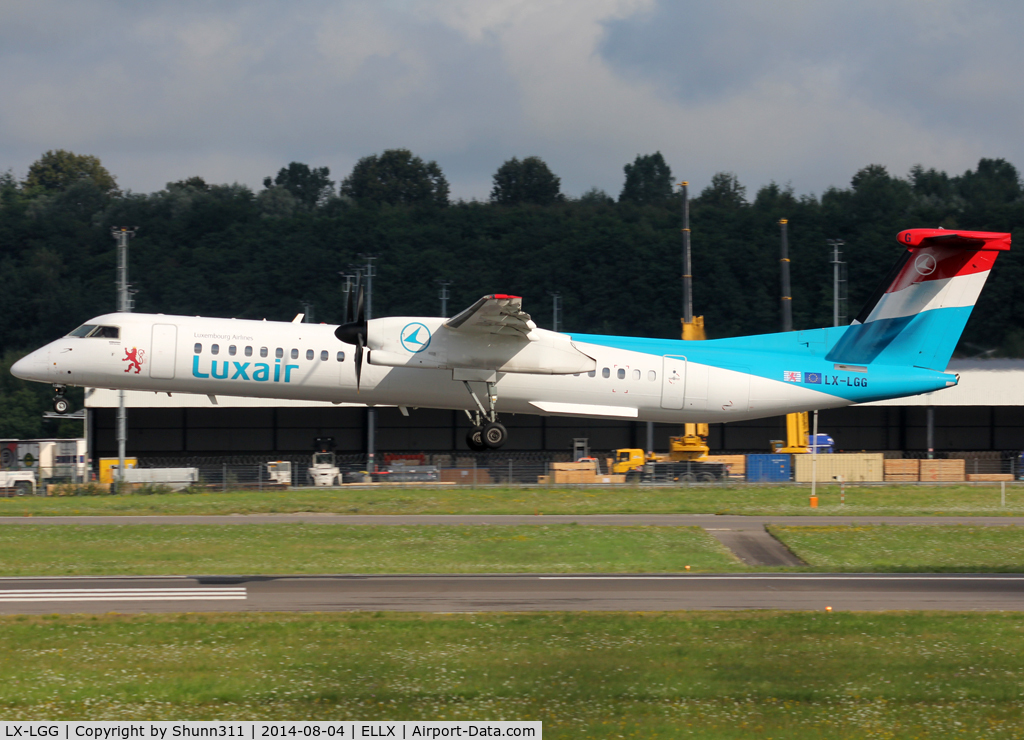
column 519, row 593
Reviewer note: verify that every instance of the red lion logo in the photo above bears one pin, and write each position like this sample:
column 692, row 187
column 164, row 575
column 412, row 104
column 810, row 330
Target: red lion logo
column 135, row 357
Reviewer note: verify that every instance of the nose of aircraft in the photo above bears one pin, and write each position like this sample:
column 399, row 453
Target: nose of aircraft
column 33, row 366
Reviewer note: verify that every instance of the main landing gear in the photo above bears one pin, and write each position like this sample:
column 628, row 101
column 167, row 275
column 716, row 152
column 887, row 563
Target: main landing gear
column 487, row 432
column 60, row 404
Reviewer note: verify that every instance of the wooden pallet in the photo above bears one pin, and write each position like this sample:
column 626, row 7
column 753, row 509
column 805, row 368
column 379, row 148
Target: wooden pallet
column 942, row 471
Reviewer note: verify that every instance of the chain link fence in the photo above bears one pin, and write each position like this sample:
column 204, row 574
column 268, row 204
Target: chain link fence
column 498, row 468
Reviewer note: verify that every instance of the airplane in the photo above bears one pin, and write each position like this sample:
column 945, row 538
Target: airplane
column 899, row 345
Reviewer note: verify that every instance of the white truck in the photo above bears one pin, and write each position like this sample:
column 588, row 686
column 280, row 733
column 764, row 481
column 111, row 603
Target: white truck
column 17, row 482
column 324, row 470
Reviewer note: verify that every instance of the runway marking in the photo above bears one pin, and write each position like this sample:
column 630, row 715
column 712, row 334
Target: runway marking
column 123, row 594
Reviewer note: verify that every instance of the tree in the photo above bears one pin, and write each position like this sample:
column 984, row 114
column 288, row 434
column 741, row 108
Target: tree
column 311, row 187
column 193, row 183
column 724, row 191
column 60, row 169
column 994, row 182
column 648, row 180
column 396, row 177
column 528, row 181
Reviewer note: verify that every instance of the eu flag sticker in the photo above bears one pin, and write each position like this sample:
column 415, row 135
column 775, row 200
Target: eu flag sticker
column 812, row 378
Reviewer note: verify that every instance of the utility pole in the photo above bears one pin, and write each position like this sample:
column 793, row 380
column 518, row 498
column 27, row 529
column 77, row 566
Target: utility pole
column 556, row 311
column 444, row 295
column 837, row 265
column 787, row 298
column 371, row 413
column 124, row 305
column 307, row 316
column 693, row 327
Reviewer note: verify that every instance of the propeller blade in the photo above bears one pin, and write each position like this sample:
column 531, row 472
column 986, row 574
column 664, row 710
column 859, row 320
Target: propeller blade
column 360, row 315
column 359, row 360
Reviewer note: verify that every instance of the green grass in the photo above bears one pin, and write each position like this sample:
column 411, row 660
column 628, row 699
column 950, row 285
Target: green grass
column 957, row 549
column 712, row 675
column 876, row 500
column 145, row 549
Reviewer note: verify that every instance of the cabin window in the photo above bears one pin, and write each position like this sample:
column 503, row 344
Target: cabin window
column 295, row 354
column 651, row 375
column 263, row 351
column 231, row 350
column 198, row 348
column 248, row 351
column 324, row 355
column 279, row 353
column 592, row 373
column 621, row 374
column 214, row 349
column 341, row 357
column 309, row 354
column 606, row 373
column 636, row 375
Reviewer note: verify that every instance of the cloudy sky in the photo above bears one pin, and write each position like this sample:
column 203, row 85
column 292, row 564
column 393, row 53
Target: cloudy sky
column 803, row 92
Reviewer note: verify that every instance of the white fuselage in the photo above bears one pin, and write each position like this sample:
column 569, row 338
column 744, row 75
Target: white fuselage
column 267, row 359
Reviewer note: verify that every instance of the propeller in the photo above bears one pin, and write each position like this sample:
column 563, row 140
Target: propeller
column 353, row 331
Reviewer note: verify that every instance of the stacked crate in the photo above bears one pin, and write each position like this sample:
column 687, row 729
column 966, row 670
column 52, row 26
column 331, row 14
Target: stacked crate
column 903, row 470
column 579, row 472
column 943, row 471
column 735, row 464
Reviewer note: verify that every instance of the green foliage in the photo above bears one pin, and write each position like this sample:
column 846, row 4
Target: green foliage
column 221, row 250
column 528, row 181
column 396, row 177
column 60, row 169
column 310, row 187
column 648, row 180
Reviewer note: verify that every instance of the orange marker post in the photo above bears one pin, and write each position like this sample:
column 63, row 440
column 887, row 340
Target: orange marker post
column 814, row 502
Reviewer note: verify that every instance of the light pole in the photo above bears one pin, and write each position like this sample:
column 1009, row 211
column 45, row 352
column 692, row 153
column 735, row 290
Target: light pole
column 124, row 305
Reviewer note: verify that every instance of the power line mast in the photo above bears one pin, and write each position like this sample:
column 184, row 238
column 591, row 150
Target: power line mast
column 124, row 305
column 444, row 295
column 839, row 282
column 556, row 310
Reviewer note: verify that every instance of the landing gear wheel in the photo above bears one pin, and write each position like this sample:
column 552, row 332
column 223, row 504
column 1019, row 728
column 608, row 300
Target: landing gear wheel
column 61, row 405
column 494, row 435
column 474, row 439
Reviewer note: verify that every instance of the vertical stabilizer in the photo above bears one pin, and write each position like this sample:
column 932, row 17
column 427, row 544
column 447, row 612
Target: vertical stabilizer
column 918, row 313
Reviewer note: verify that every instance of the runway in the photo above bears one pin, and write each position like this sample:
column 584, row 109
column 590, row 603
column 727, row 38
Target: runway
column 515, row 593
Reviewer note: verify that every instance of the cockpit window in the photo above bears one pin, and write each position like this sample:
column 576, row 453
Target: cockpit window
column 83, row 330
column 92, row 330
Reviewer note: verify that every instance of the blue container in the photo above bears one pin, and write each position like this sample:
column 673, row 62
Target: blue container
column 770, row 468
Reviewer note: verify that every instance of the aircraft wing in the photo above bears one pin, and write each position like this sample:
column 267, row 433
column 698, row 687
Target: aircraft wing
column 494, row 314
